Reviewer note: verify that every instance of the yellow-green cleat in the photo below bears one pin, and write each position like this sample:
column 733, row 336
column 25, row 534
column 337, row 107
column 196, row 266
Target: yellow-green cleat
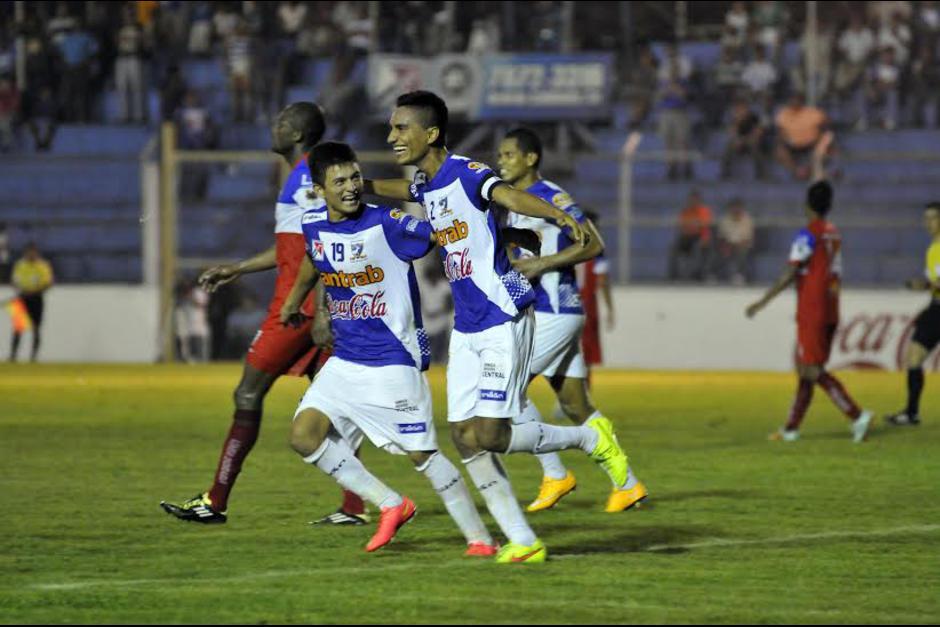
column 514, row 553
column 607, row 453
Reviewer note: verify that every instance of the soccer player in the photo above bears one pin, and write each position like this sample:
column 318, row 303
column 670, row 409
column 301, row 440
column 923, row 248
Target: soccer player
column 815, row 265
column 32, row 276
column 276, row 350
column 926, row 325
column 373, row 385
column 491, row 345
column 559, row 315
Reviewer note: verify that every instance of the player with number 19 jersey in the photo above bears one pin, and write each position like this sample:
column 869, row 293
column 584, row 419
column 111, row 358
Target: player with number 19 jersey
column 491, row 345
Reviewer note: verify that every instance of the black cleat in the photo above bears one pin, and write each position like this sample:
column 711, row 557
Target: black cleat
column 339, row 517
column 903, row 419
column 197, row 509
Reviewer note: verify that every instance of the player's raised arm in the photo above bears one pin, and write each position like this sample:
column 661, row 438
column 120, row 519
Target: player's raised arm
column 395, row 189
column 217, row 276
column 528, row 205
column 785, row 280
column 533, row 267
column 307, row 277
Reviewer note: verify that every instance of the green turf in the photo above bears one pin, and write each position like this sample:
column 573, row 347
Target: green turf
column 737, row 529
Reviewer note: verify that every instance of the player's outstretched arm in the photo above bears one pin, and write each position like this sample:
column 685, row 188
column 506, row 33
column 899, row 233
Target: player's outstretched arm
column 396, row 189
column 788, row 276
column 526, row 204
column 533, row 267
column 215, row 277
column 307, row 277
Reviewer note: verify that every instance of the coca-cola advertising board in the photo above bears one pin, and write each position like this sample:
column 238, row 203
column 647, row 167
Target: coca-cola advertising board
column 704, row 328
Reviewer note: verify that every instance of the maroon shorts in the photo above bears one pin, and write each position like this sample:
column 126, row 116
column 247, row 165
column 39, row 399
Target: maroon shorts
column 279, row 349
column 814, row 343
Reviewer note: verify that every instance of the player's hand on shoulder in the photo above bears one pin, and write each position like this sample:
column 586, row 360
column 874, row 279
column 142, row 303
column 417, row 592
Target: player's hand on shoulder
column 576, row 230
column 291, row 316
column 215, row 277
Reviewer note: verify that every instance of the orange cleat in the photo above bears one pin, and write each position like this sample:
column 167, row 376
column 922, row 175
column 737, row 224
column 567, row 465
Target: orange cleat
column 390, row 521
column 481, row 549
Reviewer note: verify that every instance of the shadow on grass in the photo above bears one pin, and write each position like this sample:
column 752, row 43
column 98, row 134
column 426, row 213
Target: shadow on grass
column 638, row 541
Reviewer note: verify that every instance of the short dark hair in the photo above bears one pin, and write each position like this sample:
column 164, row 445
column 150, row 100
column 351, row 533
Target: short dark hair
column 328, row 154
column 433, row 108
column 528, row 142
column 933, row 206
column 819, row 197
column 307, row 117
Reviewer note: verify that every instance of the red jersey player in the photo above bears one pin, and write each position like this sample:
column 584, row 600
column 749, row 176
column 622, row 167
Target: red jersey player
column 276, row 349
column 815, row 266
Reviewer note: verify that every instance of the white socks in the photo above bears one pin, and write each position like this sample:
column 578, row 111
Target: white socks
column 551, row 462
column 538, row 438
column 335, row 458
column 491, row 480
column 447, row 482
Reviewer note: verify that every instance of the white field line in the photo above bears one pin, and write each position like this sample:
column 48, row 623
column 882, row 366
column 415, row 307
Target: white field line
column 464, row 563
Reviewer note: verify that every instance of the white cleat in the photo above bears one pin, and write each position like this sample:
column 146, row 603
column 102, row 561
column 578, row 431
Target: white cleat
column 784, row 436
column 860, row 427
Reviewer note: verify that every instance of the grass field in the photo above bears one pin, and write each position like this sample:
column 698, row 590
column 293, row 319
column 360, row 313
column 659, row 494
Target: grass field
column 737, row 529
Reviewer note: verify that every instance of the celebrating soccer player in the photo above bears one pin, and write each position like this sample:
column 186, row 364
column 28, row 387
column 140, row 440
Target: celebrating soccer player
column 559, row 315
column 276, row 350
column 815, row 265
column 491, row 345
column 926, row 325
column 373, row 385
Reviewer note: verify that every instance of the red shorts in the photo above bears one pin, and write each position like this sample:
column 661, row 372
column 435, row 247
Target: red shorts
column 279, row 349
column 814, row 343
column 591, row 342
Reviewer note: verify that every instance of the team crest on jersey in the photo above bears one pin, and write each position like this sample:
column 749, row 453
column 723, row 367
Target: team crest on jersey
column 358, row 251
column 562, row 200
column 476, row 166
column 317, row 250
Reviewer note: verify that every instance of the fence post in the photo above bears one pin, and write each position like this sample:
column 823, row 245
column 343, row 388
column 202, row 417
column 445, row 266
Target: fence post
column 625, row 205
column 168, row 236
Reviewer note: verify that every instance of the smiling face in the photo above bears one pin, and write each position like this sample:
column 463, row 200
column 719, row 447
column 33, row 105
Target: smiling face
column 341, row 189
column 409, row 137
column 513, row 163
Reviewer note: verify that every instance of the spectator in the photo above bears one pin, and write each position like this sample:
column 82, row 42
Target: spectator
column 745, row 137
column 771, row 20
column 674, row 121
column 239, row 60
column 291, row 16
column 5, row 254
column 691, row 251
column 9, row 109
column 897, row 35
column 172, row 92
column 42, row 115
column 129, row 70
column 61, row 23
column 196, row 132
column 357, row 25
column 799, row 129
column 759, row 78
column 225, row 22
column 192, row 322
column 200, row 29
column 677, row 66
column 925, row 86
column 735, row 241
column 78, row 50
column 484, row 36
column 855, row 48
column 927, row 23
column 825, row 43
column 737, row 24
column 727, row 80
column 884, row 81
column 642, row 85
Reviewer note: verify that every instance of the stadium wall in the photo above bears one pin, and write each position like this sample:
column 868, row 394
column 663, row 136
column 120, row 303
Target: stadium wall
column 704, row 328
column 93, row 323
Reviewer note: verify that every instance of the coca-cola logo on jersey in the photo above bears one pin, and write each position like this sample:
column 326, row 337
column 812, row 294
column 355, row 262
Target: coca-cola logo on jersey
column 359, row 307
column 876, row 342
column 458, row 265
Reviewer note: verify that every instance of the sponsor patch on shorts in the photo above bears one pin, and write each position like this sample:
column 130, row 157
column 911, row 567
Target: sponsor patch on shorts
column 412, row 427
column 493, row 395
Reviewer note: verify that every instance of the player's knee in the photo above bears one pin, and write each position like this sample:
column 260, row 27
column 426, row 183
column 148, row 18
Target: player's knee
column 916, row 355
column 248, row 396
column 463, row 438
column 493, row 435
column 308, row 431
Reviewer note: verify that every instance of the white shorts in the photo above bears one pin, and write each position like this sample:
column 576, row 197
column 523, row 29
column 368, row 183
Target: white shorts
column 558, row 345
column 488, row 372
column 390, row 405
